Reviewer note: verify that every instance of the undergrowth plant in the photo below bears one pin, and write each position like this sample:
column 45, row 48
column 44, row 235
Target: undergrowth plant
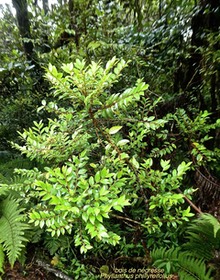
column 97, row 162
column 198, row 256
column 186, row 266
column 14, row 228
column 198, row 134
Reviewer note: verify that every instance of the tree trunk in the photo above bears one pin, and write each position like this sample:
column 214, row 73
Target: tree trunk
column 73, row 21
column 24, row 27
column 21, row 6
column 204, row 22
column 46, row 6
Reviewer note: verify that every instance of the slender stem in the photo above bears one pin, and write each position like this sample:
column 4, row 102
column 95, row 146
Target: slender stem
column 126, row 219
column 190, row 202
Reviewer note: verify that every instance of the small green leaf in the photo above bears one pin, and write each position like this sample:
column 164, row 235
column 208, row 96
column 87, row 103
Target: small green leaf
column 92, row 219
column 67, row 67
column 99, row 218
column 118, row 208
column 48, row 223
column 114, row 129
column 43, row 102
column 103, row 191
column 75, row 210
column 91, row 181
column 96, row 211
column 85, row 216
column 123, row 142
column 93, row 165
column 135, row 163
column 168, row 267
column 165, row 164
column 97, row 177
column 41, row 223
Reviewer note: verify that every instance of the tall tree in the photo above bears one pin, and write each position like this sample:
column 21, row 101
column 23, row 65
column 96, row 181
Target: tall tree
column 46, row 6
column 24, row 27
column 205, row 22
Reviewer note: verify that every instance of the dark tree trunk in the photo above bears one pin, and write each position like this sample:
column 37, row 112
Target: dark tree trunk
column 24, row 27
column 193, row 81
column 73, row 21
column 46, row 6
column 21, row 6
column 46, row 46
column 204, row 22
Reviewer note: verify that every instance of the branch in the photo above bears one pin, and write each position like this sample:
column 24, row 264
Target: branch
column 126, row 219
column 190, row 202
column 50, row 269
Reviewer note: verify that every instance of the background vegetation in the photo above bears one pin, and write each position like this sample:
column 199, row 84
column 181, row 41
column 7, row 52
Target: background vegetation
column 110, row 144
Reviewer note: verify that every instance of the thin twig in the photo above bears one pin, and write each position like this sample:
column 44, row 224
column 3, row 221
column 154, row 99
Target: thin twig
column 190, row 202
column 126, row 219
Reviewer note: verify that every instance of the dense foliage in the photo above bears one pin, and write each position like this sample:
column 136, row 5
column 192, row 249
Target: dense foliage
column 109, row 126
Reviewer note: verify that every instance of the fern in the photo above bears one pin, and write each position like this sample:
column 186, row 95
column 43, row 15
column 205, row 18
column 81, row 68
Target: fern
column 3, row 187
column 205, row 230
column 12, row 229
column 3, row 179
column 7, row 168
column 208, row 218
column 52, row 244
column 187, row 267
column 209, row 186
column 203, row 242
column 2, row 259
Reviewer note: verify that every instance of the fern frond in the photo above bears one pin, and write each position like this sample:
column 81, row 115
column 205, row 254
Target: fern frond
column 208, row 218
column 12, row 229
column 3, row 179
column 2, row 258
column 203, row 237
column 207, row 184
column 53, row 244
column 7, row 168
column 187, row 267
column 3, row 189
